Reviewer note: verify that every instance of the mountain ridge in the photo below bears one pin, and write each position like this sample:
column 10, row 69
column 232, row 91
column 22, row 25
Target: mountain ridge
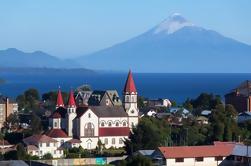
column 188, row 48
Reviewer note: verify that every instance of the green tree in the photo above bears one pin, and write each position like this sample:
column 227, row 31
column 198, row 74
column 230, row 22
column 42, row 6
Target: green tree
column 149, row 134
column 47, row 156
column 36, row 126
column 21, row 153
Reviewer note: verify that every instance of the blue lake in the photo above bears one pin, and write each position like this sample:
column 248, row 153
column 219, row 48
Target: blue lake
column 173, row 86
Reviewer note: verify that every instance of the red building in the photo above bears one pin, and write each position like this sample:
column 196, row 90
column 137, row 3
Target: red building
column 240, row 97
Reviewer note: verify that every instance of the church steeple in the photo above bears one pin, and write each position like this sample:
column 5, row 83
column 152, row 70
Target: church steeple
column 130, row 100
column 71, row 101
column 130, row 85
column 60, row 102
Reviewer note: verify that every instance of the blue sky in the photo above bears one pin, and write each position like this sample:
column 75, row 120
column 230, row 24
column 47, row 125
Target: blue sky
column 68, row 28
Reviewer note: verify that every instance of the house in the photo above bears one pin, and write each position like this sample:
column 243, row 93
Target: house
column 104, row 118
column 7, row 107
column 159, row 103
column 182, row 112
column 206, row 113
column 148, row 111
column 40, row 145
column 202, row 120
column 208, row 155
column 243, row 117
column 240, row 97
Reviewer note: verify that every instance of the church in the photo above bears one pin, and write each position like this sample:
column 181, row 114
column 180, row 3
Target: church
column 108, row 121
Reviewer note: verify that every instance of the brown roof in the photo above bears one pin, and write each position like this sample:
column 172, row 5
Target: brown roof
column 4, row 143
column 74, row 141
column 35, row 139
column 56, row 133
column 197, row 151
column 32, row 147
column 56, row 115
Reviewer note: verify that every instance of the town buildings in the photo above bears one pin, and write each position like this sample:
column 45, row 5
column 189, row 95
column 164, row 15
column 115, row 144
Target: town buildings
column 240, row 97
column 101, row 116
column 7, row 107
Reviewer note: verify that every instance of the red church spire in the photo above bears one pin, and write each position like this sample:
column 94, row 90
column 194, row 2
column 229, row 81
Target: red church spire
column 71, row 101
column 130, row 86
column 60, row 102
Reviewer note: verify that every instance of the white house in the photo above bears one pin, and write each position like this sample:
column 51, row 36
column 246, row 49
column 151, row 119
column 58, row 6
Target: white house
column 210, row 155
column 40, row 145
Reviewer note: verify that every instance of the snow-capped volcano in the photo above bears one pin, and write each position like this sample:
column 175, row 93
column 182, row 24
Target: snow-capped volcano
column 172, row 24
column 175, row 45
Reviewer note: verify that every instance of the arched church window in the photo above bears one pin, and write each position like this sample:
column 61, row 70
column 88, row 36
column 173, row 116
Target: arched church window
column 110, row 124
column 117, row 124
column 89, row 130
column 89, row 115
column 132, row 111
column 102, row 124
column 124, row 123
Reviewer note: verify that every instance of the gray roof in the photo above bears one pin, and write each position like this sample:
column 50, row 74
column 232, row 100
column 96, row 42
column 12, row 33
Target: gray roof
column 241, row 150
column 146, row 152
column 107, row 111
column 103, row 111
column 114, row 97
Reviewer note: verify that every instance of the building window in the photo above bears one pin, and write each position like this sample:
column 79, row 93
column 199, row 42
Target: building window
column 106, row 141
column 110, row 124
column 124, row 123
column 113, row 140
column 117, row 124
column 55, row 124
column 62, row 142
column 218, row 158
column 41, row 152
column 55, row 151
column 40, row 144
column 89, row 130
column 89, row 115
column 102, row 124
column 199, row 159
column 55, row 144
column 47, row 144
column 127, row 98
column 179, row 160
column 121, row 141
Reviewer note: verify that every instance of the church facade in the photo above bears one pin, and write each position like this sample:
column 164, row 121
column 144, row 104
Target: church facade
column 74, row 125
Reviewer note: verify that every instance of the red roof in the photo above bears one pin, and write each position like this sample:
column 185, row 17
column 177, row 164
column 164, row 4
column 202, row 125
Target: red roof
column 130, row 86
column 60, row 102
column 197, row 151
column 34, row 139
column 114, row 131
column 55, row 115
column 56, row 133
column 71, row 101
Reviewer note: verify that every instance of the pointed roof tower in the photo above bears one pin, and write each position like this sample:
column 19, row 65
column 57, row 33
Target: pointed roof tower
column 60, row 102
column 71, row 101
column 130, row 86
